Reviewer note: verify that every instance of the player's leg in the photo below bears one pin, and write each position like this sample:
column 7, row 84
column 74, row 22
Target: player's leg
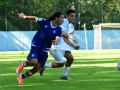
column 30, row 62
column 68, row 64
column 28, row 73
column 59, row 61
column 41, row 58
column 69, row 57
column 58, row 56
column 37, row 58
column 25, row 64
column 50, row 65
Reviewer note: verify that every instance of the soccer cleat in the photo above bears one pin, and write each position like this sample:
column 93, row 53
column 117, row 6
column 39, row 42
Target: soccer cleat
column 20, row 68
column 41, row 70
column 65, row 77
column 20, row 80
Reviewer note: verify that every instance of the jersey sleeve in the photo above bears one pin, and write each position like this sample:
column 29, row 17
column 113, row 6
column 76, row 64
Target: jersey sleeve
column 71, row 28
column 59, row 34
column 64, row 26
column 39, row 20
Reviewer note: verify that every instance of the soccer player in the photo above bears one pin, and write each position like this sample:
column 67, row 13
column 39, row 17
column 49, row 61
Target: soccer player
column 62, row 49
column 71, row 39
column 49, row 33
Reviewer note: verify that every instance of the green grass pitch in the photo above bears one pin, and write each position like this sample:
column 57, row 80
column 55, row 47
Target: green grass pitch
column 91, row 70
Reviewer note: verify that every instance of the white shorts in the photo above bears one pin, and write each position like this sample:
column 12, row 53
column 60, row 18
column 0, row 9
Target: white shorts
column 58, row 55
column 58, row 51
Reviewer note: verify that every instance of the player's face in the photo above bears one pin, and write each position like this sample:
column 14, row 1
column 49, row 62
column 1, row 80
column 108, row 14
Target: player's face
column 60, row 19
column 71, row 17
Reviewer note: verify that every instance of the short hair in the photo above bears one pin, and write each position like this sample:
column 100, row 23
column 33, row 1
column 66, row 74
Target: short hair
column 69, row 12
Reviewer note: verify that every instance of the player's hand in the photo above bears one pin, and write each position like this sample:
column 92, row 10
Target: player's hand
column 21, row 15
column 73, row 39
column 76, row 47
column 55, row 42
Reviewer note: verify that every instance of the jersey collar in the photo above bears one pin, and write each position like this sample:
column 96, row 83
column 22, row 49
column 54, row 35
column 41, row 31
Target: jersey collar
column 52, row 25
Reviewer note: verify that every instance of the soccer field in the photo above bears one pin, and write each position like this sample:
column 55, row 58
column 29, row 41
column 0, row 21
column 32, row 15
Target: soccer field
column 91, row 70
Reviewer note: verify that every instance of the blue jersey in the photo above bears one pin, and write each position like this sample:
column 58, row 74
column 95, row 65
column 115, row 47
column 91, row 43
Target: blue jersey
column 45, row 34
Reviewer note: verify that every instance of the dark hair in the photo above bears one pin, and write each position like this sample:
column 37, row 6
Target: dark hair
column 56, row 14
column 69, row 12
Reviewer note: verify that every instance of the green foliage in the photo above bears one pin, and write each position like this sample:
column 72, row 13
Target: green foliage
column 87, row 11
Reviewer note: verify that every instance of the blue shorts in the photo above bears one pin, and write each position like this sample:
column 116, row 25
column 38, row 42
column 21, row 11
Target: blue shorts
column 39, row 54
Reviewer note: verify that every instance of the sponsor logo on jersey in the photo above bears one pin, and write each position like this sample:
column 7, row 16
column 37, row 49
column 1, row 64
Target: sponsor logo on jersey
column 32, row 55
column 46, row 26
column 54, row 31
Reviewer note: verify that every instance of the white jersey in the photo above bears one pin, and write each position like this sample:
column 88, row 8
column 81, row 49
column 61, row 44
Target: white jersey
column 58, row 51
column 66, row 28
column 71, row 28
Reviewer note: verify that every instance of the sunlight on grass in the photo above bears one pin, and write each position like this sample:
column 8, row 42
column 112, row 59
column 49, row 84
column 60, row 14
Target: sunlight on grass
column 101, row 65
column 60, row 80
column 97, row 51
column 22, row 85
column 94, row 80
column 98, row 56
column 91, row 70
column 7, row 74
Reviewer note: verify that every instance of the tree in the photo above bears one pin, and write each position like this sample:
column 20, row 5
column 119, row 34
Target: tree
column 87, row 11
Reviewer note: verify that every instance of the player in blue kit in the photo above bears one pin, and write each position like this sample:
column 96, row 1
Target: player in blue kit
column 62, row 49
column 49, row 33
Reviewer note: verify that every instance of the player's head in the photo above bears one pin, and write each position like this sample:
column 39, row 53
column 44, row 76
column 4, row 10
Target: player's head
column 57, row 17
column 70, row 15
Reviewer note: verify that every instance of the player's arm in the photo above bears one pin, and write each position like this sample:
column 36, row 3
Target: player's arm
column 68, row 36
column 22, row 15
column 72, row 45
column 56, row 41
column 65, row 35
column 72, row 32
column 73, row 39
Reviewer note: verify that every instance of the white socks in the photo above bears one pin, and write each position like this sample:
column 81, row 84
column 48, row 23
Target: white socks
column 49, row 65
column 65, row 72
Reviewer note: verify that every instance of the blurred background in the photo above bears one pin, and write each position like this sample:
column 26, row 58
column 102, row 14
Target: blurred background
column 16, row 33
column 88, row 12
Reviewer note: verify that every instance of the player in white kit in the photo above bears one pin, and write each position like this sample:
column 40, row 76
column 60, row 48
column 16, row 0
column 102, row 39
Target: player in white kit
column 71, row 39
column 62, row 49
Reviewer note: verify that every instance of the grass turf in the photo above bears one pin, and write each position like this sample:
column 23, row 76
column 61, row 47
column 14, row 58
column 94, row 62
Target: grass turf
column 91, row 70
